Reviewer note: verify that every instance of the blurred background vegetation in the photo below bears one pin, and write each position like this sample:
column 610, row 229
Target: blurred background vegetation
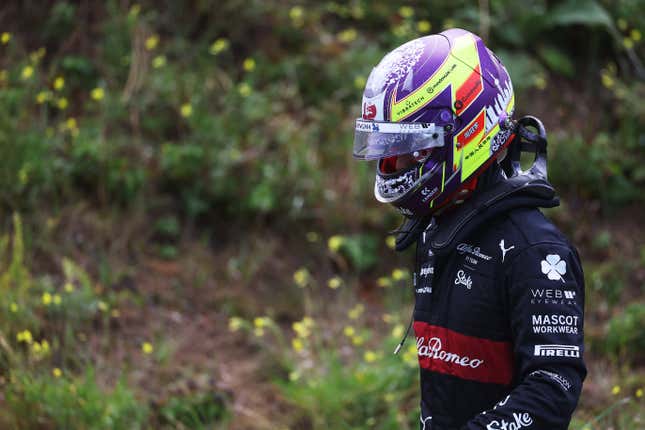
column 187, row 243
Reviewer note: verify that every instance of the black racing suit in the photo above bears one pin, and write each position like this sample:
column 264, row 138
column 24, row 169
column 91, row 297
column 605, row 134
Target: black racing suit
column 498, row 315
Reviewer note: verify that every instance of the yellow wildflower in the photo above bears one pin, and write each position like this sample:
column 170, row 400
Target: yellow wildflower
column 71, row 123
column 45, row 346
column 36, row 348
column 37, row 55
column 301, row 329
column 152, row 42
column 398, row 330
column 370, row 356
column 218, row 46
column 636, row 35
column 24, row 336
column 159, row 61
column 312, row 236
column 258, row 331
column 244, row 89
column 349, row 331
column 103, row 307
column 384, row 282
column 607, row 80
column 308, row 322
column 348, row 35
column 399, row 274
column 294, row 376
column 296, row 14
column 449, row 23
column 115, row 313
column 13, row 307
column 639, row 393
column 69, row 287
column 57, row 372
column 334, row 282
column 410, row 355
column 359, row 82
column 134, row 10
column 540, row 82
column 46, row 299
column 406, row 11
column 301, row 277
column 186, row 110
column 628, row 43
column 335, row 242
column 43, row 96
column 27, row 72
column 147, row 348
column 358, row 340
column 62, row 103
column 297, row 344
column 355, row 312
column 59, row 83
column 5, row 38
column 249, row 64
column 261, row 322
column 622, row 24
column 235, row 323
column 56, row 298
column 424, row 26
column 97, row 94
column 615, row 390
column 390, row 241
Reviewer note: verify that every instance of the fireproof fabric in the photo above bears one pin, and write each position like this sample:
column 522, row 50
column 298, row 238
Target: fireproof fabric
column 498, row 321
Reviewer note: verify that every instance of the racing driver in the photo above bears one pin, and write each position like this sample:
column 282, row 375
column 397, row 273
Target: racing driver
column 499, row 291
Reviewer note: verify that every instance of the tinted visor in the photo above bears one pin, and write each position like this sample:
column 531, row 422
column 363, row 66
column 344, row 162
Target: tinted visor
column 374, row 139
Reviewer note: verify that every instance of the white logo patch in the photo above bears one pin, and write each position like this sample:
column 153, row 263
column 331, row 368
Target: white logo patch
column 504, row 250
column 520, row 420
column 554, row 267
column 557, row 351
column 463, row 279
column 425, row 421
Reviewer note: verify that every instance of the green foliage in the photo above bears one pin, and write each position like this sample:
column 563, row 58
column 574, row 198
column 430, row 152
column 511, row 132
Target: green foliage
column 194, row 411
column 360, row 250
column 625, row 332
column 356, row 395
column 36, row 400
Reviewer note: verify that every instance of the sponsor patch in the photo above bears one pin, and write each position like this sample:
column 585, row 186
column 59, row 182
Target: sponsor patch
column 554, row 323
column 554, row 267
column 519, row 420
column 445, row 351
column 466, row 248
column 552, row 296
column 564, row 382
column 572, row 351
column 463, row 279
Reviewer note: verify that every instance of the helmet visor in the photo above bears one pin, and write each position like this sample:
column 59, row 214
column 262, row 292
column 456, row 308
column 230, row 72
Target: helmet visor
column 379, row 139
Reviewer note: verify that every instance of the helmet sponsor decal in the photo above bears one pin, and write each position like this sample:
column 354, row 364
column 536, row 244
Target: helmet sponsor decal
column 369, row 110
column 453, row 73
column 470, row 132
column 502, row 105
column 469, row 91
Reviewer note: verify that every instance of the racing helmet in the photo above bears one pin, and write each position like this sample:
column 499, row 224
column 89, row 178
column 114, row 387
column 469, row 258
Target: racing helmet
column 446, row 101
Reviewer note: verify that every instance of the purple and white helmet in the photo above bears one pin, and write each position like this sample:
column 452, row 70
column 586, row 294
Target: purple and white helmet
column 447, row 100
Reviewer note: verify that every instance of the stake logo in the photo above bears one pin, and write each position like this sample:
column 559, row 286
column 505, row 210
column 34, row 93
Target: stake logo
column 520, row 420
